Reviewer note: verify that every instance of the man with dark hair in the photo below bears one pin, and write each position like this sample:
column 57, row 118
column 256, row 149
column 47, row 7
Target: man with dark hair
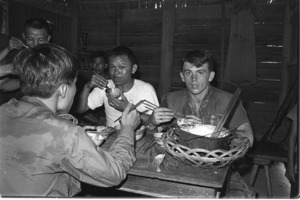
column 122, row 64
column 41, row 152
column 99, row 62
column 200, row 98
column 36, row 31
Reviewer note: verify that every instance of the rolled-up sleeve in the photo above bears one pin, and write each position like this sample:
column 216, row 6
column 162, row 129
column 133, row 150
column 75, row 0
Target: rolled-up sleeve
column 98, row 167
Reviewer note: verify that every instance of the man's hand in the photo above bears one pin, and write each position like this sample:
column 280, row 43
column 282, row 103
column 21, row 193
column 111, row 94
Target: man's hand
column 161, row 115
column 97, row 81
column 131, row 119
column 192, row 119
column 116, row 103
column 14, row 43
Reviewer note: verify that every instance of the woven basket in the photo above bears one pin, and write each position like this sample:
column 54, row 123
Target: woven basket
column 205, row 158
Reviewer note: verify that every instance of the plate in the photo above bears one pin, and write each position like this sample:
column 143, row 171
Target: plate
column 98, row 133
column 102, row 130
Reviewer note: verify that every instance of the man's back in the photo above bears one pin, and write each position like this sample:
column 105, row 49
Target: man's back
column 45, row 155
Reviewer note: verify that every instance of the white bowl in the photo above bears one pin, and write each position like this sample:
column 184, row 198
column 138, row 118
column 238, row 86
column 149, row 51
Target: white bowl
column 157, row 135
column 115, row 92
column 140, row 133
column 96, row 137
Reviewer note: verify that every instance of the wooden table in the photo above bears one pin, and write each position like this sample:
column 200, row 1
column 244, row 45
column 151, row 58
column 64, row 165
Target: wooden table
column 183, row 181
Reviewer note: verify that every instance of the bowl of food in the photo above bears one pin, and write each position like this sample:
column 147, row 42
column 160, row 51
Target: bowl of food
column 115, row 92
column 98, row 133
column 200, row 136
column 139, row 133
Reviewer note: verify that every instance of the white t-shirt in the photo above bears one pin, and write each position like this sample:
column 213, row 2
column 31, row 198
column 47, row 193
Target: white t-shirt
column 140, row 91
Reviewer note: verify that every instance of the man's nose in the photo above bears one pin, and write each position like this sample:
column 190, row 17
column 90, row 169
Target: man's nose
column 117, row 70
column 35, row 43
column 194, row 77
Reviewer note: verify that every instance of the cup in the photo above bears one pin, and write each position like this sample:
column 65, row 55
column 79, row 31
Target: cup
column 211, row 119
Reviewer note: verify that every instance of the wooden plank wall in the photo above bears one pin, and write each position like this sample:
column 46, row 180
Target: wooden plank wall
column 198, row 28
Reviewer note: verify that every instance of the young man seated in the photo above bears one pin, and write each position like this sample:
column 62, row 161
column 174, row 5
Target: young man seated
column 200, row 98
column 44, row 154
column 122, row 64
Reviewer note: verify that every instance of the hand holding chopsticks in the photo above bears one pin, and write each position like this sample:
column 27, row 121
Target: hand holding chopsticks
column 159, row 115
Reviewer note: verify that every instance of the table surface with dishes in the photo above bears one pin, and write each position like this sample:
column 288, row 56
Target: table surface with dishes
column 158, row 174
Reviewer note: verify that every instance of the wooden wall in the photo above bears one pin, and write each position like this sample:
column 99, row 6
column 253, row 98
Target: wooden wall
column 198, row 27
column 203, row 27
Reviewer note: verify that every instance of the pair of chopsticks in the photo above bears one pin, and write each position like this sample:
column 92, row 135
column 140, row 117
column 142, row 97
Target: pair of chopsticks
column 227, row 112
column 147, row 104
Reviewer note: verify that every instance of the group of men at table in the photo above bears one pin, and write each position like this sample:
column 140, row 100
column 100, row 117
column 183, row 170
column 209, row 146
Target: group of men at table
column 45, row 154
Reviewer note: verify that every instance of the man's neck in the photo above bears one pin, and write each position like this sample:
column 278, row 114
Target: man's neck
column 51, row 103
column 198, row 98
column 126, row 87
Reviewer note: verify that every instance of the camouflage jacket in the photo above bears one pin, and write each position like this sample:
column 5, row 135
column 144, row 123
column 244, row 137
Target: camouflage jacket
column 42, row 154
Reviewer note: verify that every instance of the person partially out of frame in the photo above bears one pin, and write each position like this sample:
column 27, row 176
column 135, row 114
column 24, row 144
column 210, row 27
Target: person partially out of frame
column 45, row 154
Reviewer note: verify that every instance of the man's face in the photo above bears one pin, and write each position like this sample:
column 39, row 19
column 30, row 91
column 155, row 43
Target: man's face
column 98, row 65
column 34, row 37
column 121, row 70
column 196, row 79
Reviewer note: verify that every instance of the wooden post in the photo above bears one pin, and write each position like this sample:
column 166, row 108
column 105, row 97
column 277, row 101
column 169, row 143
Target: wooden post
column 286, row 53
column 222, row 45
column 166, row 47
column 74, row 25
column 119, row 24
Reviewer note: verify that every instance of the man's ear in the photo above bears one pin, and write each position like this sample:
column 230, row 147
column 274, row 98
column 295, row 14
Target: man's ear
column 23, row 35
column 134, row 68
column 49, row 37
column 182, row 77
column 211, row 76
column 63, row 90
column 105, row 65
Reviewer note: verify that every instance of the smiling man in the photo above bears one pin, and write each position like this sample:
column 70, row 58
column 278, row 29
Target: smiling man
column 200, row 98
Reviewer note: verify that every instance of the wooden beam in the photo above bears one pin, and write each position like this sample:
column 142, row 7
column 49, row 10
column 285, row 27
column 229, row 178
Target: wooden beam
column 51, row 7
column 286, row 52
column 74, row 25
column 166, row 47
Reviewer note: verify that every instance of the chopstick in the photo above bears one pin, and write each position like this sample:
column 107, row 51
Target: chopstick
column 227, row 111
column 149, row 145
column 131, row 109
column 25, row 46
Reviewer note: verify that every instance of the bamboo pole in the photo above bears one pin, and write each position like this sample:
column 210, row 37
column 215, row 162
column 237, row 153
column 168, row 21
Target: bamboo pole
column 286, row 53
column 167, row 40
column 74, row 25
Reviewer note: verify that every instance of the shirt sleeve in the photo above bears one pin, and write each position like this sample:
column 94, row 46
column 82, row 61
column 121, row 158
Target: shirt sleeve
column 96, row 98
column 239, row 117
column 98, row 167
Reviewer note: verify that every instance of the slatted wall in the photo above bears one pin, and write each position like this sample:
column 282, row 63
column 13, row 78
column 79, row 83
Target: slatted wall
column 202, row 27
column 19, row 12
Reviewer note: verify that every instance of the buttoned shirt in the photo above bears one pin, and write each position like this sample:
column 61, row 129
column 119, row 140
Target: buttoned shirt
column 214, row 103
column 43, row 154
